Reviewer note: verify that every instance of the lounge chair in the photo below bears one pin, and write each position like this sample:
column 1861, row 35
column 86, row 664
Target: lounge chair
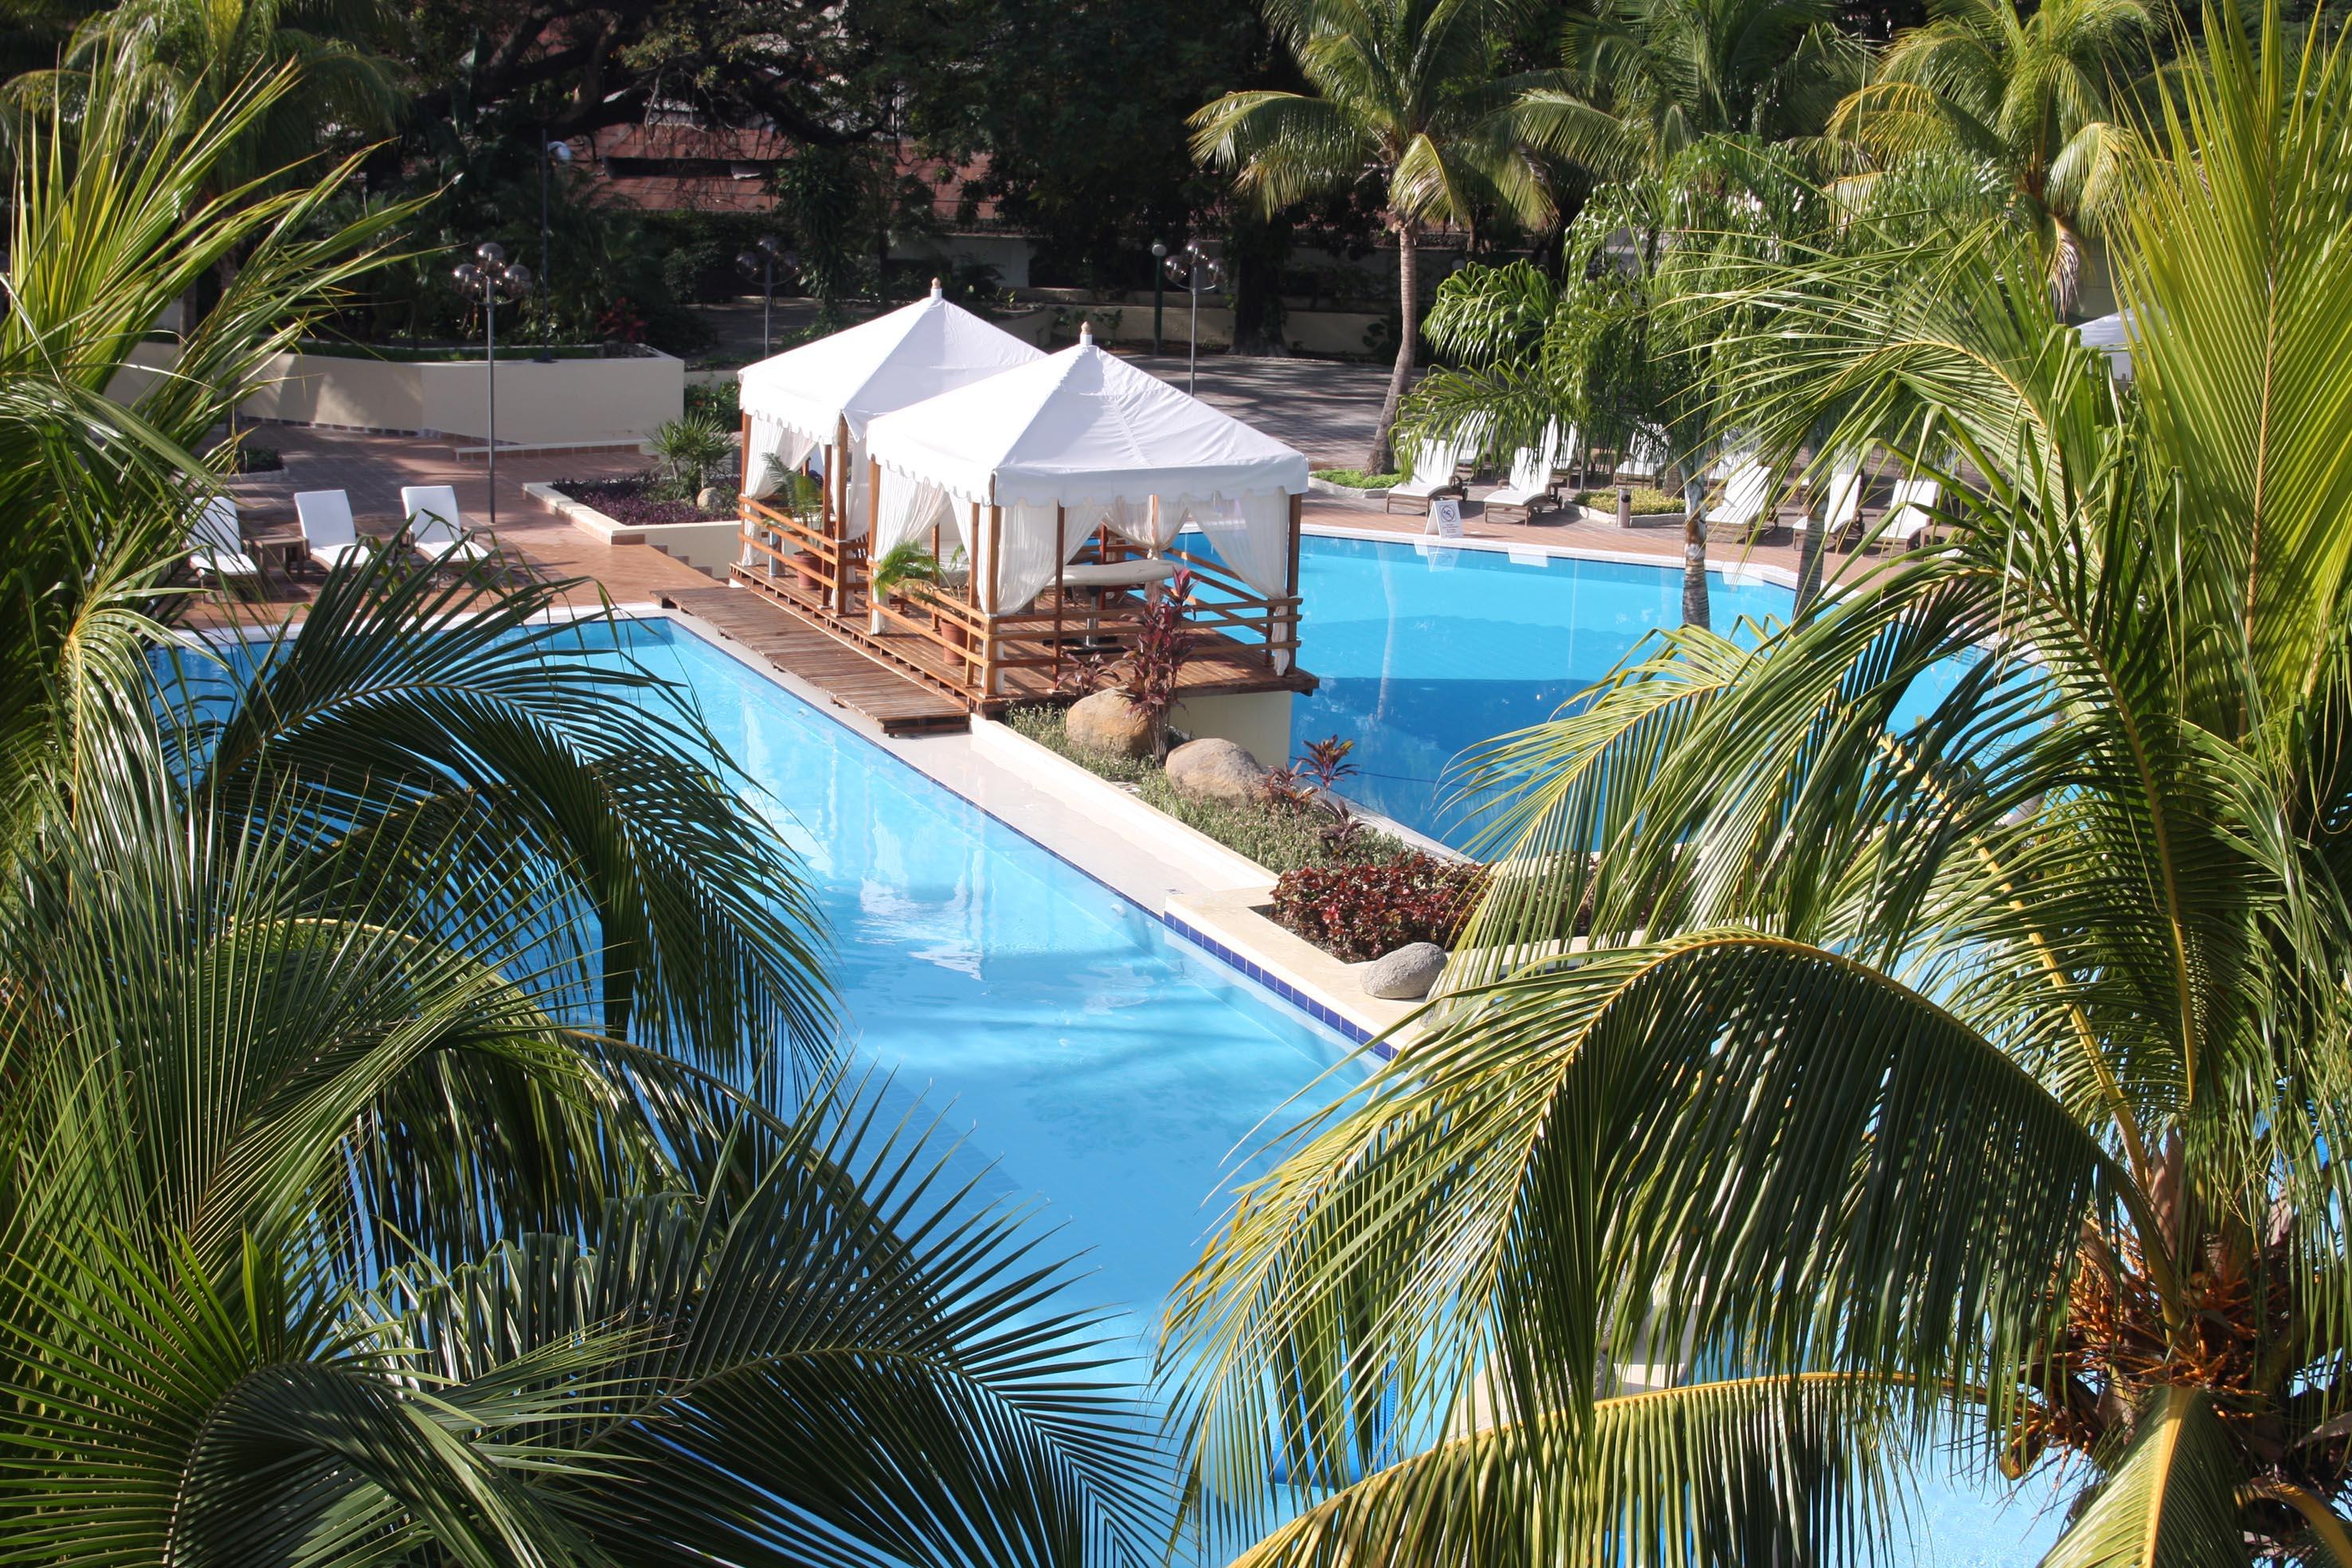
column 1839, row 510
column 1531, row 484
column 1910, row 513
column 1432, row 476
column 328, row 533
column 436, row 527
column 1565, row 474
column 1745, row 497
column 1642, row 461
column 215, row 548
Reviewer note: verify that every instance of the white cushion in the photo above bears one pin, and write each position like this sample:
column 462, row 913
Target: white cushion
column 224, row 563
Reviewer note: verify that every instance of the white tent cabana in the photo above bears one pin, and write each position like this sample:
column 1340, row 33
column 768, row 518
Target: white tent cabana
column 823, row 394
column 1028, row 464
column 2111, row 335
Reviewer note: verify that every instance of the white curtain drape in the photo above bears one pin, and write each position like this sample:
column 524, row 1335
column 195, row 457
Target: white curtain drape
column 854, row 526
column 775, row 449
column 1252, row 535
column 1027, row 561
column 910, row 509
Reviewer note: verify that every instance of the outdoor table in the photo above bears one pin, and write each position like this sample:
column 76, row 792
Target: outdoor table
column 1095, row 577
column 281, row 539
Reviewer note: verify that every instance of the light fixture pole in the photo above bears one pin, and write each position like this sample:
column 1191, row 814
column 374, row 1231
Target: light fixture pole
column 1159, row 291
column 484, row 278
column 1198, row 272
column 760, row 261
column 549, row 154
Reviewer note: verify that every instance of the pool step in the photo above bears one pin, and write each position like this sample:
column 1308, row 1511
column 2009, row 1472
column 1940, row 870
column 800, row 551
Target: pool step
column 897, row 702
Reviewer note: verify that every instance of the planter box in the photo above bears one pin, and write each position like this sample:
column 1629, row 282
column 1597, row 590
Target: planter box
column 708, row 547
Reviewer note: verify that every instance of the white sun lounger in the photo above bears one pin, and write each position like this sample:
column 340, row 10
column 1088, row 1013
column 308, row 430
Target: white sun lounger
column 1432, row 476
column 1643, row 458
column 328, row 533
column 215, row 548
column 436, row 527
column 1530, row 483
column 1910, row 513
column 1564, row 465
column 1840, row 510
column 1744, row 497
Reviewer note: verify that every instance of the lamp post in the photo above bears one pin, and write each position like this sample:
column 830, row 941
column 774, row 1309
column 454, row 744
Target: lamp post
column 760, row 261
column 1196, row 272
column 485, row 277
column 1159, row 291
column 549, row 154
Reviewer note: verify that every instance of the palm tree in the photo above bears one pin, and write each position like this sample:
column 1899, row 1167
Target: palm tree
column 1926, row 1023
column 423, row 1138
column 2039, row 92
column 1406, row 99
column 1647, row 80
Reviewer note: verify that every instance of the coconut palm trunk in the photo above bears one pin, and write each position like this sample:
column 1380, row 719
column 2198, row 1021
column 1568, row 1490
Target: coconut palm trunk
column 1408, row 334
column 1696, row 611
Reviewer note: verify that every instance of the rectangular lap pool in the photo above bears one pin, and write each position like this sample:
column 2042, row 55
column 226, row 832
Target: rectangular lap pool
column 1104, row 1064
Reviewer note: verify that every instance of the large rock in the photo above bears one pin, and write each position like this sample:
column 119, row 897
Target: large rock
column 1405, row 974
column 1107, row 721
column 1215, row 769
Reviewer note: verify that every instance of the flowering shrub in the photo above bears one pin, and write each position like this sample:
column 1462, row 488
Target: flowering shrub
column 1361, row 911
column 636, row 501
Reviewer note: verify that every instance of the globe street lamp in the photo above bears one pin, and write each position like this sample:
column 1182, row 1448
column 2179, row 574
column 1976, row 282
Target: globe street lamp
column 549, row 154
column 760, row 262
column 1159, row 291
column 484, row 278
column 1196, row 272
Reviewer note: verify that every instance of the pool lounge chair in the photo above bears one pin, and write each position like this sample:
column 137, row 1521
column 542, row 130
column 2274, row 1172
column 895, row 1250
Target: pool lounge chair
column 215, row 548
column 436, row 527
column 1432, row 476
column 1910, row 513
column 1531, row 484
column 1745, row 497
column 1839, row 510
column 327, row 532
column 1565, row 467
column 1643, row 457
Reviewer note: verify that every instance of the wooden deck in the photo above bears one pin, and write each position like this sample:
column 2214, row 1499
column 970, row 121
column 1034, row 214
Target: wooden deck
column 899, row 703
column 1217, row 664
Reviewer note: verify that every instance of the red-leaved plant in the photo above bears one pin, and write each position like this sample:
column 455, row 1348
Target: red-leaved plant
column 1363, row 912
column 1161, row 646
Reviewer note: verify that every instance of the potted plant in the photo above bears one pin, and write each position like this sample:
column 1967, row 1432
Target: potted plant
column 805, row 498
column 903, row 563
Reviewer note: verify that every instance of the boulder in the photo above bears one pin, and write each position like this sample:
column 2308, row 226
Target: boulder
column 1107, row 721
column 1405, row 974
column 1215, row 769
column 709, row 498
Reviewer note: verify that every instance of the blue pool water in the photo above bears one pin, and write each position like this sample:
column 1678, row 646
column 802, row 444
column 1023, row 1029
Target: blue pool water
column 1107, row 1066
column 1424, row 651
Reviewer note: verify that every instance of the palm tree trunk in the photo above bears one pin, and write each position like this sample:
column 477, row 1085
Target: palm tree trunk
column 1695, row 605
column 1408, row 313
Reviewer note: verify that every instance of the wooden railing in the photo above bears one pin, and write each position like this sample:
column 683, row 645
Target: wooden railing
column 825, row 569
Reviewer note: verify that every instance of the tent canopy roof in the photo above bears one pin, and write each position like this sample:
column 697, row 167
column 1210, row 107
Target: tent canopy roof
column 1079, row 427
column 912, row 353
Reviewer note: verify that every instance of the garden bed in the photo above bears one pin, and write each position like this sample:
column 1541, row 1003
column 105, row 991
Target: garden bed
column 635, row 501
column 1278, row 839
column 1647, row 502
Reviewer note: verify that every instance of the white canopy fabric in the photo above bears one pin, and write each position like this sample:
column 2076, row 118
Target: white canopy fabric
column 798, row 400
column 2111, row 335
column 1086, row 431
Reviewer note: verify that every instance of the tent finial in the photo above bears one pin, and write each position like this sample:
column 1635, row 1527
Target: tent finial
column 1086, row 334
column 937, row 292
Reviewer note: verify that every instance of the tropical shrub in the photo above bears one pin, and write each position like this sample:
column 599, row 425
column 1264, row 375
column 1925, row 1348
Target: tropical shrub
column 688, row 452
column 1366, row 910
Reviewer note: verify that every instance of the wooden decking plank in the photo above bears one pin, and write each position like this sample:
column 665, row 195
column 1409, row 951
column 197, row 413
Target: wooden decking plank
column 900, row 704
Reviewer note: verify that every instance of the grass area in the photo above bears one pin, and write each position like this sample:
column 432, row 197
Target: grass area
column 1647, row 502
column 1277, row 839
column 1357, row 479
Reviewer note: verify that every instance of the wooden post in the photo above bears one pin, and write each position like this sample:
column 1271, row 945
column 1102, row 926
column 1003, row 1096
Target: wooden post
column 743, row 552
column 1282, row 660
column 873, row 522
column 837, row 525
column 1059, row 592
column 988, row 671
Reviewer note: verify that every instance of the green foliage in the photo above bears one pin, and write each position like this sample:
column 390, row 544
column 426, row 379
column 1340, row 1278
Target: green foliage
column 1357, row 479
column 719, row 401
column 1647, row 502
column 689, row 452
column 1277, row 839
column 903, row 562
column 1957, row 1050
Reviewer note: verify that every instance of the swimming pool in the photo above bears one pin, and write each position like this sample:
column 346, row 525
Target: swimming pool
column 1102, row 1063
column 1424, row 651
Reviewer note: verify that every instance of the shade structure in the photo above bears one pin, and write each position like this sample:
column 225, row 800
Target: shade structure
column 916, row 352
column 1072, row 443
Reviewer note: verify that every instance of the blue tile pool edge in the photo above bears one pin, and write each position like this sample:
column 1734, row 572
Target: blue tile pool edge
column 1272, row 985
